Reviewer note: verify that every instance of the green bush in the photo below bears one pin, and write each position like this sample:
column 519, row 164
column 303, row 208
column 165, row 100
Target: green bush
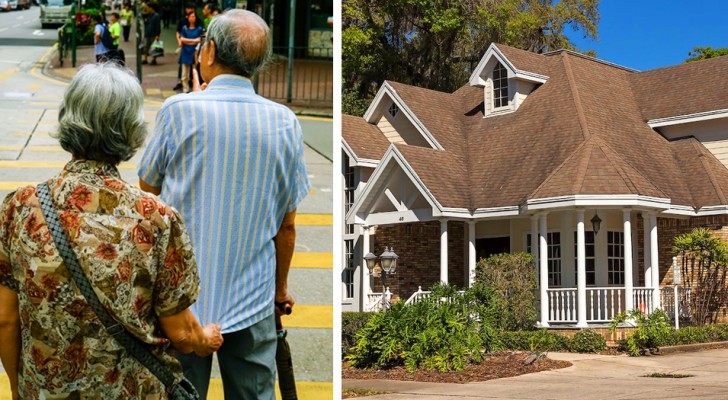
column 652, row 331
column 541, row 340
column 445, row 331
column 587, row 341
column 351, row 323
column 512, row 278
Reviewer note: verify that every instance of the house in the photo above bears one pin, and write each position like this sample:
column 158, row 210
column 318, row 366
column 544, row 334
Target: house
column 591, row 166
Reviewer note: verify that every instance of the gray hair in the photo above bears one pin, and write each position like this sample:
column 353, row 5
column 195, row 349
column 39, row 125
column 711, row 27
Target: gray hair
column 101, row 117
column 242, row 41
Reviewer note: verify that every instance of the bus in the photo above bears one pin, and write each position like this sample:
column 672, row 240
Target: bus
column 54, row 12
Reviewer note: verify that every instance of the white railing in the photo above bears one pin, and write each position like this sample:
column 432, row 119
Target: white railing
column 562, row 305
column 375, row 302
column 642, row 299
column 603, row 304
column 418, row 295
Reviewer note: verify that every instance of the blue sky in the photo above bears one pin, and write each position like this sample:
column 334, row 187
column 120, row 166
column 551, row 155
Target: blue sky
column 648, row 34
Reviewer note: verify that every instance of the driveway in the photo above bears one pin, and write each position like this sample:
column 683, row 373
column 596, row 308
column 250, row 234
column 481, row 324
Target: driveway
column 590, row 377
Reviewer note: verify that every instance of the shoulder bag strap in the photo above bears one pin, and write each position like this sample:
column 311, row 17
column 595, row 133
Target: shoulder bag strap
column 132, row 345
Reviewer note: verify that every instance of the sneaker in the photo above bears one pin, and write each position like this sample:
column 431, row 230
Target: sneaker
column 154, row 62
column 178, row 86
column 144, row 62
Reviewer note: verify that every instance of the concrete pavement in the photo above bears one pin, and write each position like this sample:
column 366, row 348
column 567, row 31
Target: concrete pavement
column 590, row 377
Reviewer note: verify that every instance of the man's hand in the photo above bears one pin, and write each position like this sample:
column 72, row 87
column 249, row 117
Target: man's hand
column 283, row 300
column 196, row 87
column 213, row 340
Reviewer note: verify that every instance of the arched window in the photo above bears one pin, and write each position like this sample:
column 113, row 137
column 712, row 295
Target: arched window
column 500, row 86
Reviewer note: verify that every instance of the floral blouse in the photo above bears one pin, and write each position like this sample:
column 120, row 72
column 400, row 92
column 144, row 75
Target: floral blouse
column 137, row 255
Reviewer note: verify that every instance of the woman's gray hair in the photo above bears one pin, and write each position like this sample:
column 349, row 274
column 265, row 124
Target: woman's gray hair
column 242, row 41
column 101, row 117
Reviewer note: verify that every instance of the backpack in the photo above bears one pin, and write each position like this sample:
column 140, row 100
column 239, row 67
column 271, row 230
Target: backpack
column 106, row 38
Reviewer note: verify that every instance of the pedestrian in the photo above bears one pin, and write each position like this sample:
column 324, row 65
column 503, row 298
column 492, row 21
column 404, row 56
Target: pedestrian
column 190, row 38
column 166, row 13
column 126, row 19
column 117, row 233
column 100, row 50
column 232, row 163
column 152, row 30
column 189, row 8
column 210, row 11
column 115, row 29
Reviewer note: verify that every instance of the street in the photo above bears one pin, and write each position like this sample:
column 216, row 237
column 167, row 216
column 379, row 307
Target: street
column 29, row 102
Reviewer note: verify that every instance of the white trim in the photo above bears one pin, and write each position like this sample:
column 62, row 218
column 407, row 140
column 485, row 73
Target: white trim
column 688, row 118
column 493, row 51
column 691, row 212
column 581, row 200
column 386, row 88
column 356, row 161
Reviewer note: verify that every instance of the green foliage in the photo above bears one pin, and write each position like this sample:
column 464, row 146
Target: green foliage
column 701, row 334
column 445, row 331
column 512, row 278
column 587, row 341
column 704, row 269
column 652, row 331
column 702, row 53
column 351, row 323
column 539, row 341
column 436, row 43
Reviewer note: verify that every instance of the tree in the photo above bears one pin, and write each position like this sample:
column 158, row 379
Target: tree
column 702, row 53
column 704, row 269
column 436, row 43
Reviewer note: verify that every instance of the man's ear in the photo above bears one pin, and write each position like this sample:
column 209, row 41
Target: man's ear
column 210, row 53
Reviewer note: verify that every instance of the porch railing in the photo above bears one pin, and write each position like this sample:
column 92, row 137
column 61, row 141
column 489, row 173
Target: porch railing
column 562, row 305
column 375, row 301
column 602, row 304
column 422, row 294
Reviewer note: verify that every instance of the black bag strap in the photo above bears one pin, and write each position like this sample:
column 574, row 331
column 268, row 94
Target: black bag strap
column 132, row 345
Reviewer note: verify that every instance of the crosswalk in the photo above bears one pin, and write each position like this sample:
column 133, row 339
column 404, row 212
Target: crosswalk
column 29, row 154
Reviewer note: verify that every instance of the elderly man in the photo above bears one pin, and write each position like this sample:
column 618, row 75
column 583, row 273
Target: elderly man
column 232, row 162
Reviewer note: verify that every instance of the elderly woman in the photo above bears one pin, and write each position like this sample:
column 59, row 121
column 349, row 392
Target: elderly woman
column 132, row 247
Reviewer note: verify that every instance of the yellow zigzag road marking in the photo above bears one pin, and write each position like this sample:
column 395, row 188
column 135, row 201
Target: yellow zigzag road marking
column 8, row 73
column 305, row 390
column 310, row 316
column 312, row 260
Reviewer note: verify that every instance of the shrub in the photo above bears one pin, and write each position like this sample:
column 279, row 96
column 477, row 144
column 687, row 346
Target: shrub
column 351, row 323
column 445, row 331
column 512, row 278
column 652, row 331
column 587, row 341
column 541, row 340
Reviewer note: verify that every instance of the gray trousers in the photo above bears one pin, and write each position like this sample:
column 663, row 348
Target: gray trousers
column 247, row 363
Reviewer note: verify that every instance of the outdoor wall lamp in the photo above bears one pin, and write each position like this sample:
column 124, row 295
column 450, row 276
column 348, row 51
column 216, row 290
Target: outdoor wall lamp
column 596, row 222
column 388, row 260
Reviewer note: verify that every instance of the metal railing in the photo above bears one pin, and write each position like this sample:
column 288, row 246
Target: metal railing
column 667, row 298
column 310, row 81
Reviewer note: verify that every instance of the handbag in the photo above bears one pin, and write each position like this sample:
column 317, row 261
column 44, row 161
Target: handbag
column 157, row 49
column 178, row 389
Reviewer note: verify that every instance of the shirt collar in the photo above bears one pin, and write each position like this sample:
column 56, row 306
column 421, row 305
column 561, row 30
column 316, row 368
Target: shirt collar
column 230, row 81
column 92, row 167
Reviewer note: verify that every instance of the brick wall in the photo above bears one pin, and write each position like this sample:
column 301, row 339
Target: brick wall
column 418, row 248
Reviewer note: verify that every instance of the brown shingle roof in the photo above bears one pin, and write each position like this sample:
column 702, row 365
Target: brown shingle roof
column 525, row 60
column 442, row 173
column 364, row 138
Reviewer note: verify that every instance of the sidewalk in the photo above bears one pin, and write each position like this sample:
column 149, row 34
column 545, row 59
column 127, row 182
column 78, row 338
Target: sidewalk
column 590, row 377
column 159, row 80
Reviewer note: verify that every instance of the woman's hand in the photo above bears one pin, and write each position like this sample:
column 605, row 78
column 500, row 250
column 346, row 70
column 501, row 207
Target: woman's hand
column 213, row 340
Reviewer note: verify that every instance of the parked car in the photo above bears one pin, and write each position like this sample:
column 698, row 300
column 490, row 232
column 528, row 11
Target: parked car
column 7, row 5
column 24, row 4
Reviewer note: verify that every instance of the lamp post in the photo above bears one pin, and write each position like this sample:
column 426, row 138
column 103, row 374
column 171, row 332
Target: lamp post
column 388, row 262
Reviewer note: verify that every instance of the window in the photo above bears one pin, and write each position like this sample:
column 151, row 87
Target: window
column 348, row 274
column 554, row 258
column 349, row 188
column 500, row 86
column 590, row 263
column 615, row 257
column 393, row 110
column 553, row 240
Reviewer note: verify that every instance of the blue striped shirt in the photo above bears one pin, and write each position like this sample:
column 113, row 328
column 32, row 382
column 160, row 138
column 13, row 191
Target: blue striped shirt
column 232, row 163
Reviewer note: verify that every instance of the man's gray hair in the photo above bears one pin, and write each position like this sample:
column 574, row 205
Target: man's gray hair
column 242, row 41
column 101, row 117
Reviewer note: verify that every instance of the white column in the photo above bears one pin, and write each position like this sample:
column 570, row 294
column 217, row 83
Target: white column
column 534, row 238
column 655, row 262
column 471, row 253
column 443, row 251
column 543, row 272
column 365, row 288
column 646, row 253
column 581, row 271
column 628, row 282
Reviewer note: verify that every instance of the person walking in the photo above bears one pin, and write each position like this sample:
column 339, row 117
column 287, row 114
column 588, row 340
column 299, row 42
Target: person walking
column 190, row 38
column 232, row 163
column 152, row 30
column 132, row 248
column 126, row 17
column 100, row 50
column 189, row 8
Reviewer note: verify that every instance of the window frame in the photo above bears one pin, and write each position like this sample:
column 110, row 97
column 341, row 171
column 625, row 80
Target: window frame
column 615, row 260
column 590, row 270
column 500, row 83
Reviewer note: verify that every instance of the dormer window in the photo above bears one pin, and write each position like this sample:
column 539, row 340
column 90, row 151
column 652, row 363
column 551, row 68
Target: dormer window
column 500, row 86
column 393, row 110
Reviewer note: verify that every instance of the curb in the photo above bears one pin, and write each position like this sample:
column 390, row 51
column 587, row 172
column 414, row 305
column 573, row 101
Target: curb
column 685, row 348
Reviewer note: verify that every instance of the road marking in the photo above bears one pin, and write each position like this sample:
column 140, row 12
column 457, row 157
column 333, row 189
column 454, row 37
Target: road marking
column 34, row 72
column 11, row 148
column 312, row 260
column 307, row 118
column 37, row 32
column 310, row 316
column 8, row 73
column 314, row 219
column 44, row 103
column 46, row 149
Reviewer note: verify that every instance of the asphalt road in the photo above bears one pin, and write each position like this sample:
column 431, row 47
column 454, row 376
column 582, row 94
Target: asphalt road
column 22, row 28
